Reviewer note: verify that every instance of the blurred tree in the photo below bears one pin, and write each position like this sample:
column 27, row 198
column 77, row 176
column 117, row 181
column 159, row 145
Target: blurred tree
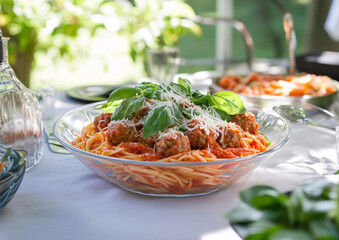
column 154, row 24
column 45, row 25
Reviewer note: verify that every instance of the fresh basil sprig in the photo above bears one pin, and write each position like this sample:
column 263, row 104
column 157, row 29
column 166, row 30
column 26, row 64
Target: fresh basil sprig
column 159, row 118
column 186, row 84
column 123, row 102
column 122, row 93
column 307, row 213
column 127, row 107
column 109, row 107
column 229, row 102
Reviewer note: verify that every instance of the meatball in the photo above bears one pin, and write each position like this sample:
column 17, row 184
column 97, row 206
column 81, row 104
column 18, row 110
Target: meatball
column 246, row 121
column 149, row 142
column 101, row 121
column 118, row 132
column 172, row 143
column 231, row 137
column 198, row 136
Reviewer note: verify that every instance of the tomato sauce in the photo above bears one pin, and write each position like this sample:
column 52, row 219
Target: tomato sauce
column 139, row 148
column 231, row 152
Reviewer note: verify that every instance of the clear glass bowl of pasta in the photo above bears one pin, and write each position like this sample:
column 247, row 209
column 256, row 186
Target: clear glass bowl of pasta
column 171, row 179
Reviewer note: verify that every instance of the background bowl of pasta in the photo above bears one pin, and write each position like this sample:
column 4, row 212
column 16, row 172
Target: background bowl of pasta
column 269, row 90
column 161, row 178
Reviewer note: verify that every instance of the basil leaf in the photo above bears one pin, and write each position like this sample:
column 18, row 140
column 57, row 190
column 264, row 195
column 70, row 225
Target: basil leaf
column 146, row 89
column 291, row 234
column 324, row 228
column 248, row 195
column 262, row 229
column 223, row 115
column 159, row 118
column 185, row 83
column 190, row 113
column 229, row 102
column 127, row 107
column 145, row 85
column 157, row 93
column 178, row 89
column 109, row 107
column 316, row 189
column 244, row 213
column 121, row 93
column 199, row 99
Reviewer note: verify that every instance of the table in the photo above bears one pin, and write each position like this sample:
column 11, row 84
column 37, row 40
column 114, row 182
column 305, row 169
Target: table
column 60, row 198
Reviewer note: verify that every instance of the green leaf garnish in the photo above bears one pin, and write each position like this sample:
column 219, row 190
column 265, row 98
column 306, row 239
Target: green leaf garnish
column 229, row 102
column 186, row 84
column 127, row 107
column 122, row 93
column 223, row 115
column 109, row 107
column 199, row 99
column 225, row 104
column 160, row 117
column 146, row 89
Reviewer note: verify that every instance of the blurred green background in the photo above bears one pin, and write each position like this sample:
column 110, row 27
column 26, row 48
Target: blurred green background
column 79, row 42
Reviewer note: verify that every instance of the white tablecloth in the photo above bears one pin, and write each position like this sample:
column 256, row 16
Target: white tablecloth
column 60, row 198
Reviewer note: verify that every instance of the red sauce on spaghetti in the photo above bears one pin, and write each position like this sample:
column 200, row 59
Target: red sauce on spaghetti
column 140, row 148
column 231, row 152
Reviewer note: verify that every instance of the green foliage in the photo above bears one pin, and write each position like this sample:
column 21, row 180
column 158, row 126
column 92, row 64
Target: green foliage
column 47, row 26
column 154, row 23
column 308, row 212
column 54, row 23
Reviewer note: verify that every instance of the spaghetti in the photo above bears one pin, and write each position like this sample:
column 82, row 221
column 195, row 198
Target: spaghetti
column 277, row 85
column 198, row 138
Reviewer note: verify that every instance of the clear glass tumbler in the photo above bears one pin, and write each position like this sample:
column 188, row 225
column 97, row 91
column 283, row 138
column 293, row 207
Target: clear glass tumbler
column 20, row 114
column 163, row 64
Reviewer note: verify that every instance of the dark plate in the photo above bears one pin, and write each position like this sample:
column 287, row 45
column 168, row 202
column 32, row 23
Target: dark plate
column 93, row 93
column 321, row 63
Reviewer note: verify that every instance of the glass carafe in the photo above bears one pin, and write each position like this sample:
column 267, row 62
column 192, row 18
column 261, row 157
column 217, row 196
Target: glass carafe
column 20, row 114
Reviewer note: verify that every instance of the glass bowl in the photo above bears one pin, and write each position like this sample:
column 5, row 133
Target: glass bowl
column 11, row 181
column 169, row 178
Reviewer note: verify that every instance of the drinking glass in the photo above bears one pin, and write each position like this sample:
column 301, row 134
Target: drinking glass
column 47, row 97
column 163, row 64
